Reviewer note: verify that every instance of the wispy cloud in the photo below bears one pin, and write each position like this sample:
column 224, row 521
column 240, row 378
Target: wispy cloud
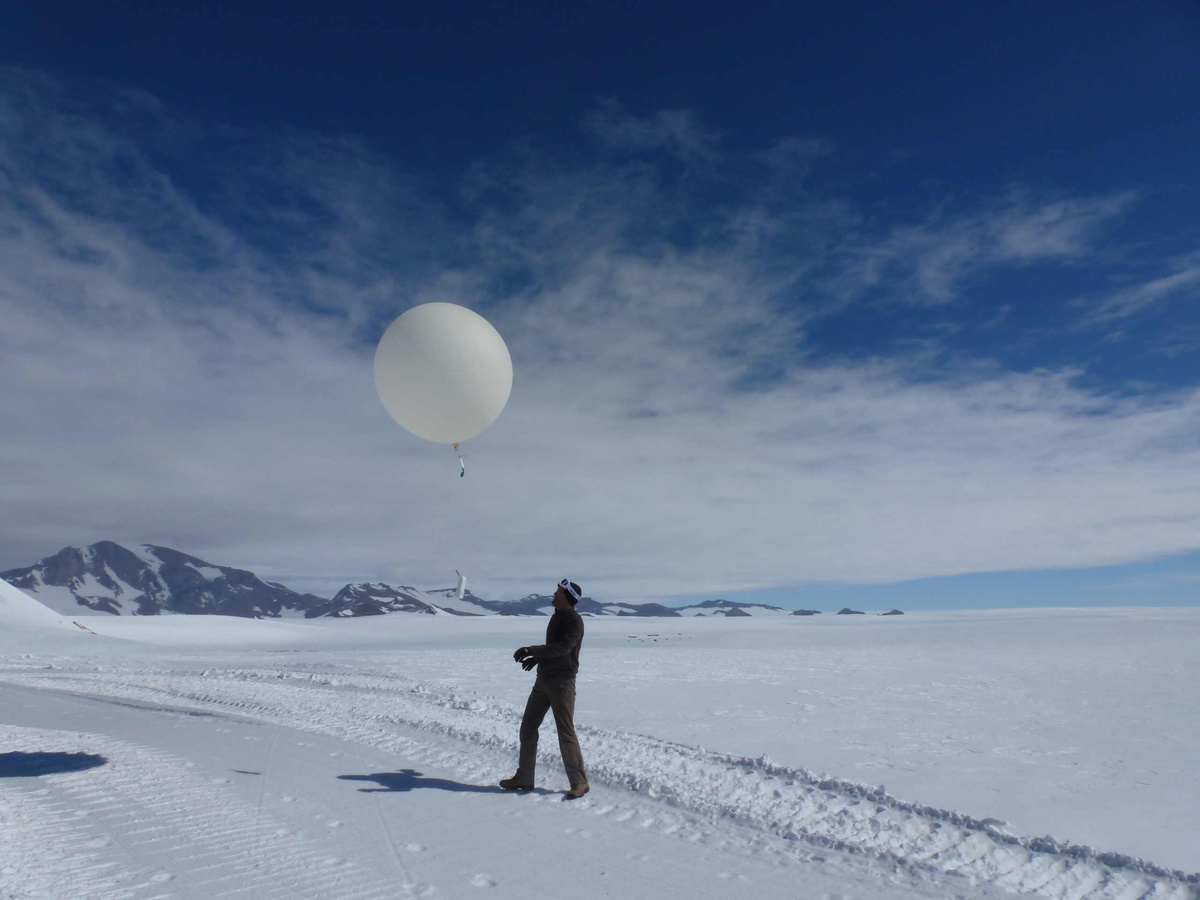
column 932, row 262
column 673, row 131
column 1182, row 282
column 186, row 353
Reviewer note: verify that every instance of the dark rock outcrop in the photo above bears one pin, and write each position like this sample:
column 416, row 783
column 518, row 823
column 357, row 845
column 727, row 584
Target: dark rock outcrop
column 723, row 607
column 367, row 599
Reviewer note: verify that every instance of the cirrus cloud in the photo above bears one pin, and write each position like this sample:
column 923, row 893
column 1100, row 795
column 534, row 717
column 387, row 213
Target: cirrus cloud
column 186, row 361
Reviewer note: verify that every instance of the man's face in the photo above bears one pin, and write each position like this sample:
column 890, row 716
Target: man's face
column 560, row 599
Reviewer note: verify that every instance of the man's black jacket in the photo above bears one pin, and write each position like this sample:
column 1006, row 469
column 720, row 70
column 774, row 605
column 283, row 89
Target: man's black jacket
column 559, row 656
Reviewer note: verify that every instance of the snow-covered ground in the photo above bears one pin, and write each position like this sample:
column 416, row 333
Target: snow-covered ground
column 968, row 754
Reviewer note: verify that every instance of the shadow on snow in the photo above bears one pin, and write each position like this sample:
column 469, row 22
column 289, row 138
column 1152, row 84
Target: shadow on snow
column 31, row 765
column 411, row 779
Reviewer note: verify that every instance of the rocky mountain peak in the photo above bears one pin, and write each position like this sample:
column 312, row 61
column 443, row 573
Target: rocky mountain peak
column 106, row 577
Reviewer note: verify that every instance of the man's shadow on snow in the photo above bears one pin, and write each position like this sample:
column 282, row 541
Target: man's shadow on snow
column 31, row 765
column 411, row 779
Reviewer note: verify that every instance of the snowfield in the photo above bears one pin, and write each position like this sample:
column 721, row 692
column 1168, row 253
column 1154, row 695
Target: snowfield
column 967, row 754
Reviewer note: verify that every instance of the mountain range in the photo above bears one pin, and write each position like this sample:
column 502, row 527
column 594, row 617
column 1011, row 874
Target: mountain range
column 107, row 578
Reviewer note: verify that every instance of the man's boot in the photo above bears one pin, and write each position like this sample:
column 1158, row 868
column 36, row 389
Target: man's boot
column 577, row 791
column 511, row 784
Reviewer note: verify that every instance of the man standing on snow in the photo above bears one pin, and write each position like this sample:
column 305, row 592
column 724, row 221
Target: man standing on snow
column 557, row 663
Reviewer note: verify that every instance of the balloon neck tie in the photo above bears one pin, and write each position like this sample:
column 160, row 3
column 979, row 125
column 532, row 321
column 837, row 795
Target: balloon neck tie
column 461, row 464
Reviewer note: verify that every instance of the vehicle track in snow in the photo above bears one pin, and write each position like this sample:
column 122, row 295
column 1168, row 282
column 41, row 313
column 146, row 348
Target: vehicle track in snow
column 690, row 790
column 124, row 817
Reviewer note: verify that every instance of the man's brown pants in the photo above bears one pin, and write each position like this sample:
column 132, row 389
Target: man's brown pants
column 556, row 694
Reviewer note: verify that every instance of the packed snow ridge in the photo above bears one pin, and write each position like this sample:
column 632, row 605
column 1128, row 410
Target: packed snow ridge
column 689, row 785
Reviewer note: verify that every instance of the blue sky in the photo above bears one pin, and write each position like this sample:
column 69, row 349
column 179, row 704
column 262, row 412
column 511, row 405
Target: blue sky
column 806, row 301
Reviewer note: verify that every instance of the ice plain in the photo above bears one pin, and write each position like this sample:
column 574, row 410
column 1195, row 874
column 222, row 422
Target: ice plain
column 938, row 754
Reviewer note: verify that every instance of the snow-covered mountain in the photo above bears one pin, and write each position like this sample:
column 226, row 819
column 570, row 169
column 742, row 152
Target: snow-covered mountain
column 368, row 599
column 541, row 605
column 107, row 578
column 731, row 608
column 375, row 599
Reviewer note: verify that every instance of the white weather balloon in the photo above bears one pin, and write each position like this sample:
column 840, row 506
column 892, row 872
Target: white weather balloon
column 443, row 372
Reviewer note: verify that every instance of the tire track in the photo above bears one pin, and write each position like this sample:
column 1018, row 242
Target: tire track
column 774, row 801
column 201, row 843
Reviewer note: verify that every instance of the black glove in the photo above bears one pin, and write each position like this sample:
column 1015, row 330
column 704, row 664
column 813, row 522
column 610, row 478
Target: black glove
column 529, row 662
column 520, row 654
